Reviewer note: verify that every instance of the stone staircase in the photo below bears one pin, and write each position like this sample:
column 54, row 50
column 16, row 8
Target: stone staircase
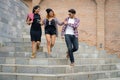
column 90, row 63
column 15, row 51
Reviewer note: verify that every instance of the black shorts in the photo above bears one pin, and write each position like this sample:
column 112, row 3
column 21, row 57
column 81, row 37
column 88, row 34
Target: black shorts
column 35, row 35
column 50, row 32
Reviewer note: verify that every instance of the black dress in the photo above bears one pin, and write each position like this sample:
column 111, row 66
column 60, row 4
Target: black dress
column 35, row 31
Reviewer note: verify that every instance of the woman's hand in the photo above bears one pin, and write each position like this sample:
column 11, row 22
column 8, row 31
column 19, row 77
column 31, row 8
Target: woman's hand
column 65, row 22
column 29, row 22
column 41, row 22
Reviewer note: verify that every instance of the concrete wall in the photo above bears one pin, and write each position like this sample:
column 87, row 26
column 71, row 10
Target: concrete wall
column 12, row 19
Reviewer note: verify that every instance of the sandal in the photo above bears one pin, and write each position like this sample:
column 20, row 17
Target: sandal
column 67, row 56
column 72, row 64
column 33, row 55
column 38, row 47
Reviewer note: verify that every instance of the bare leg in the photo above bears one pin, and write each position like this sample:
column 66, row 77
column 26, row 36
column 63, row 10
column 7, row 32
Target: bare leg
column 33, row 49
column 53, row 38
column 48, row 38
column 38, row 44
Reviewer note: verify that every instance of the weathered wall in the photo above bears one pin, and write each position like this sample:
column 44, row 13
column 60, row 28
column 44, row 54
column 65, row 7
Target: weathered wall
column 112, row 23
column 12, row 19
column 31, row 3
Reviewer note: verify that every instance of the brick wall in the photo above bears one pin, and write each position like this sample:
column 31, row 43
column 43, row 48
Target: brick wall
column 112, row 23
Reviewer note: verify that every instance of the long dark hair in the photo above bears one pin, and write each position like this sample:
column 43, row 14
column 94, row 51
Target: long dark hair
column 35, row 7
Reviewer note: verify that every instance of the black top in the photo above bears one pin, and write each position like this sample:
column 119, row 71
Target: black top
column 36, row 26
column 50, row 25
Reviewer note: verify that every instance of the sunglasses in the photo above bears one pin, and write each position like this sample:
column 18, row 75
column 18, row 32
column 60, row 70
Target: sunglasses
column 70, row 14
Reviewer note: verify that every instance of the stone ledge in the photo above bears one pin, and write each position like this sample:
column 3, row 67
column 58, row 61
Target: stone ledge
column 60, row 75
column 118, row 78
column 56, row 61
column 58, row 69
column 109, row 64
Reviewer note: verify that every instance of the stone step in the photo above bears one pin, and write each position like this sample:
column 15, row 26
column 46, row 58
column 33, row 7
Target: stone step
column 26, row 52
column 57, row 44
column 56, row 61
column 118, row 78
column 59, row 40
column 28, row 40
column 79, row 51
column 23, row 54
column 68, row 76
column 85, row 55
column 56, row 48
column 41, row 54
column 57, row 69
column 20, row 43
column 19, row 49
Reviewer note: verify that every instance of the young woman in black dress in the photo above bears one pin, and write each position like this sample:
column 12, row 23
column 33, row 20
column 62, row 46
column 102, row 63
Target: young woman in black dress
column 35, row 31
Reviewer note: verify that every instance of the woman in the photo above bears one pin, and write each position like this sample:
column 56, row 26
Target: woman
column 35, row 32
column 51, row 30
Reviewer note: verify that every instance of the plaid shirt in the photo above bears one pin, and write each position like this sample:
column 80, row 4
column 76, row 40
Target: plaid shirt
column 74, row 26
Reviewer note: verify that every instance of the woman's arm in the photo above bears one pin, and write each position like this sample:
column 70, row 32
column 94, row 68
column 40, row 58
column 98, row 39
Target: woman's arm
column 58, row 22
column 28, row 21
column 43, row 21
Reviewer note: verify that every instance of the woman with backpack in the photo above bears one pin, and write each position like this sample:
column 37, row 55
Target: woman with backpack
column 35, row 32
